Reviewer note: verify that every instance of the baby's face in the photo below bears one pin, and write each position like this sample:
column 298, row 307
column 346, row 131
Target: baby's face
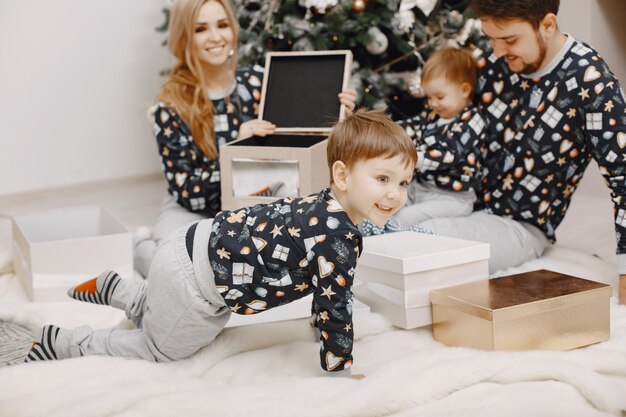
column 446, row 98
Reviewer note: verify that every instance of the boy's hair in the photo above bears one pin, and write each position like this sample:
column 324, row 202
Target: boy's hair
column 368, row 134
column 455, row 65
column 531, row 11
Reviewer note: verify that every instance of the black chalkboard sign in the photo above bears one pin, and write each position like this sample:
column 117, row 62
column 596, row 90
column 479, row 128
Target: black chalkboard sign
column 300, row 89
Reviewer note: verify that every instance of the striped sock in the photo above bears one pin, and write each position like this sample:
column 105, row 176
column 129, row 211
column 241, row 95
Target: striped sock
column 97, row 290
column 43, row 350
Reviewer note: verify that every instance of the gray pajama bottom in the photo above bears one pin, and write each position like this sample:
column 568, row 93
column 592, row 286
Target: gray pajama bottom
column 177, row 311
column 511, row 242
column 171, row 216
column 448, row 213
column 426, row 201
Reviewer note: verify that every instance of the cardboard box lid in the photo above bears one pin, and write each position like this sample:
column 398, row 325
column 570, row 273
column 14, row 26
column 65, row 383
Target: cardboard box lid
column 520, row 295
column 68, row 223
column 408, row 252
column 300, row 89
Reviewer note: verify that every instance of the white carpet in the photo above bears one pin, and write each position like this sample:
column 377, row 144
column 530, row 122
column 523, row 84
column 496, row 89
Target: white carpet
column 273, row 370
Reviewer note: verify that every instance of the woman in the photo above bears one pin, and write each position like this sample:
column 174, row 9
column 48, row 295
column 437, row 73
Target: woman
column 207, row 101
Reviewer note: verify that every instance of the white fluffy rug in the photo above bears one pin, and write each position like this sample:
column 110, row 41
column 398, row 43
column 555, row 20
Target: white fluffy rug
column 273, row 370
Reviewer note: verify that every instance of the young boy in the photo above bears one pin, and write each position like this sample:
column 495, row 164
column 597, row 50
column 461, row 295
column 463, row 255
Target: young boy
column 250, row 260
column 450, row 143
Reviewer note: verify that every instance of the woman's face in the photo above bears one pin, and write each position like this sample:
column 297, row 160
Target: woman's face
column 214, row 37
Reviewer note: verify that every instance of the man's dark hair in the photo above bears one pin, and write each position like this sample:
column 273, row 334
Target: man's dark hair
column 531, row 11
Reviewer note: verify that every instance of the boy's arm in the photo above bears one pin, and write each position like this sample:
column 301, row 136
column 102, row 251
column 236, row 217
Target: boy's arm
column 333, row 267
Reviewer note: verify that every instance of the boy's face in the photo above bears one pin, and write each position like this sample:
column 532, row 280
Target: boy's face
column 446, row 98
column 523, row 48
column 376, row 189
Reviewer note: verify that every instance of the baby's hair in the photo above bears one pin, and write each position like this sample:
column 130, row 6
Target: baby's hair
column 368, row 134
column 455, row 65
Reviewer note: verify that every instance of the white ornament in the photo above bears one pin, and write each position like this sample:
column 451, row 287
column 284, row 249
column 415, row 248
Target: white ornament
column 426, row 6
column 404, row 20
column 415, row 87
column 320, row 6
column 378, row 41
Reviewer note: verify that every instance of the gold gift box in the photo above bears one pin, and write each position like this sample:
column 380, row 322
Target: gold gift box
column 535, row 310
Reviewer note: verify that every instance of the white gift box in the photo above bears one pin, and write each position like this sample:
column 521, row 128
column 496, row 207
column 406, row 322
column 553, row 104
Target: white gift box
column 295, row 310
column 397, row 271
column 57, row 249
column 299, row 95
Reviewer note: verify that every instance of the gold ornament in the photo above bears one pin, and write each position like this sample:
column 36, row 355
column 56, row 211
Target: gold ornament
column 358, row 5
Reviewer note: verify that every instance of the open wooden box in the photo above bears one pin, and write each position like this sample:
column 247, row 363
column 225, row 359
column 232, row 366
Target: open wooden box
column 299, row 96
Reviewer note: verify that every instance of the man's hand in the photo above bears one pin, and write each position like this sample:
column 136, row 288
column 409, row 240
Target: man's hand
column 621, row 292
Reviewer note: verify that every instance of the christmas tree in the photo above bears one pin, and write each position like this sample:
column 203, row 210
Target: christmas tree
column 390, row 39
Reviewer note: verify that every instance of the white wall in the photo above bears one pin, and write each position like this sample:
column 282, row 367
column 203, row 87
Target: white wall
column 76, row 79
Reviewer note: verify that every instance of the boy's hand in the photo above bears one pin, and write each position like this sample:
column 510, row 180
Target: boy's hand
column 358, row 376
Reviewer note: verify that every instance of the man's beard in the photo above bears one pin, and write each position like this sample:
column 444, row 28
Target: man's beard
column 534, row 66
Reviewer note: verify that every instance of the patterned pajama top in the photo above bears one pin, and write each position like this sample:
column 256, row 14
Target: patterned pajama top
column 543, row 130
column 193, row 179
column 450, row 151
column 268, row 255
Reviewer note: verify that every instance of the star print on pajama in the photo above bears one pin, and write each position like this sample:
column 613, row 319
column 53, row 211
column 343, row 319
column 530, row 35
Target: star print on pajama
column 193, row 179
column 450, row 153
column 544, row 129
column 268, row 255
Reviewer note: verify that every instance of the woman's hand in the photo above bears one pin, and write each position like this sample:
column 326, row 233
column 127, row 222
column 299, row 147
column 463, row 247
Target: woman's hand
column 348, row 99
column 256, row 127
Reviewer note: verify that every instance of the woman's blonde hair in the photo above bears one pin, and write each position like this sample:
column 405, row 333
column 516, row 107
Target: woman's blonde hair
column 185, row 89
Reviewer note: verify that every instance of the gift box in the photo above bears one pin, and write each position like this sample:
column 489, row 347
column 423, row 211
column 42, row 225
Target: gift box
column 297, row 309
column 57, row 249
column 397, row 271
column 299, row 95
column 535, row 310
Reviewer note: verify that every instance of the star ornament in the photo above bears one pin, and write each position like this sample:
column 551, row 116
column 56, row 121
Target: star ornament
column 584, row 93
column 328, row 292
column 276, row 231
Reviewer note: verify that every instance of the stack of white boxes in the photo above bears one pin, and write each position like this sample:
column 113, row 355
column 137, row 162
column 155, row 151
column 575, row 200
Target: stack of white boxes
column 397, row 271
column 57, row 249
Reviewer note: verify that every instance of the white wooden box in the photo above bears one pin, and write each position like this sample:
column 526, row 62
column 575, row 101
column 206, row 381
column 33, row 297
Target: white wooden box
column 298, row 309
column 57, row 249
column 397, row 271
column 299, row 96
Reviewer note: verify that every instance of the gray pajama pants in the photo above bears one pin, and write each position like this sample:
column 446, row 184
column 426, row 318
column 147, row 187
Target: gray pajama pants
column 426, row 201
column 177, row 311
column 171, row 216
column 450, row 214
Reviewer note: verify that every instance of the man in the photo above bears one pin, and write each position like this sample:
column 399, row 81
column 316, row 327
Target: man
column 551, row 104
